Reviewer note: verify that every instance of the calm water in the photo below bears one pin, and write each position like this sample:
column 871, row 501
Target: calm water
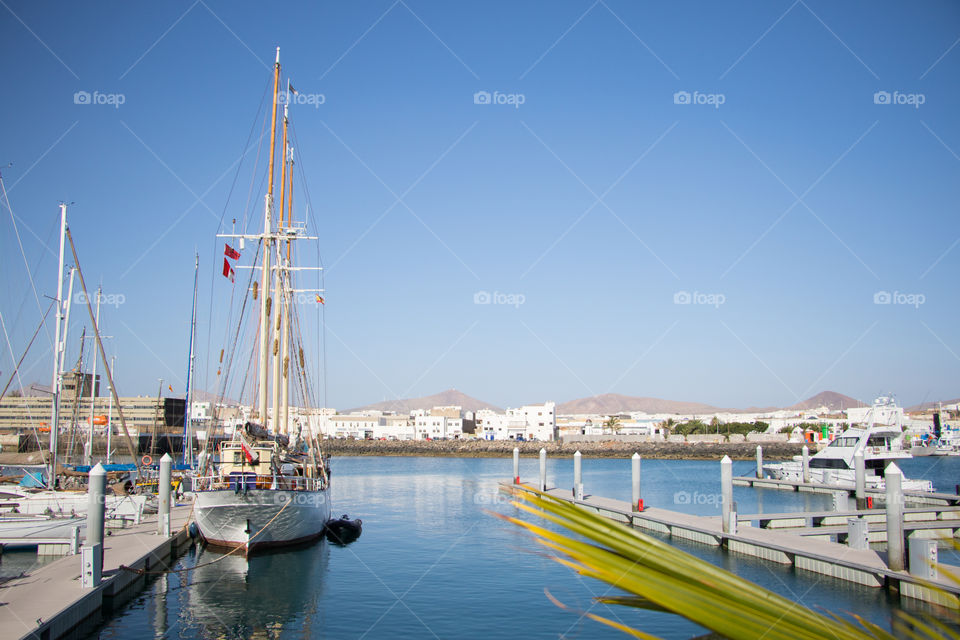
column 432, row 563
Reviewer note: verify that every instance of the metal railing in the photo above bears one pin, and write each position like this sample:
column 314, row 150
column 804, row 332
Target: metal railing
column 248, row 481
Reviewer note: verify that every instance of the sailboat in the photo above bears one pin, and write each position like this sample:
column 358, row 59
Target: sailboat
column 269, row 487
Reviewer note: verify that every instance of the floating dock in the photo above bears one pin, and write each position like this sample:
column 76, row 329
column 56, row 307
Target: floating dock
column 914, row 497
column 803, row 552
column 48, row 602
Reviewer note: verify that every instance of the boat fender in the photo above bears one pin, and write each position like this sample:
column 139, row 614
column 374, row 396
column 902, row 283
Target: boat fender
column 193, row 530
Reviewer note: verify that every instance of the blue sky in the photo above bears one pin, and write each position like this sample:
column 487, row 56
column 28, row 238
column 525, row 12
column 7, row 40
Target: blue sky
column 777, row 166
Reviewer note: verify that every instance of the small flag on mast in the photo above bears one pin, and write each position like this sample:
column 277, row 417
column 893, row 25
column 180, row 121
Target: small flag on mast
column 170, row 387
column 227, row 270
column 230, row 252
column 290, row 88
column 320, row 299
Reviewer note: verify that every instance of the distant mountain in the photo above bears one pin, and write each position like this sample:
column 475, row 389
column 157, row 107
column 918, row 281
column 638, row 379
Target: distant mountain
column 610, row 403
column 923, row 406
column 830, row 399
column 450, row 397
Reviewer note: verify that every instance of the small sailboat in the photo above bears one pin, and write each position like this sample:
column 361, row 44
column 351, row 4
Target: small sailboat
column 269, row 485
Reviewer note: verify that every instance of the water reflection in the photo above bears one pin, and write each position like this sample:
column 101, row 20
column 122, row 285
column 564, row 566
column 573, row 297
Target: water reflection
column 230, row 596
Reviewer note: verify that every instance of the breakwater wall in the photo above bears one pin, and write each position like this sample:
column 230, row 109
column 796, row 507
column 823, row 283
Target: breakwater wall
column 607, row 449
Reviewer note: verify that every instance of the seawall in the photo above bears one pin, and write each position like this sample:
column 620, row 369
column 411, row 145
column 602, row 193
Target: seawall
column 608, row 449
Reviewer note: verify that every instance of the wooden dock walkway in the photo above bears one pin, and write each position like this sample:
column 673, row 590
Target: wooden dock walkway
column 805, row 553
column 48, row 602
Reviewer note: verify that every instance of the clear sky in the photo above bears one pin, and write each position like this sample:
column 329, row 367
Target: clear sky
column 732, row 203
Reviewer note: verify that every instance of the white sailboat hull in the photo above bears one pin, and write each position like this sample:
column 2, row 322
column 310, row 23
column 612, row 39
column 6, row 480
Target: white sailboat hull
column 261, row 518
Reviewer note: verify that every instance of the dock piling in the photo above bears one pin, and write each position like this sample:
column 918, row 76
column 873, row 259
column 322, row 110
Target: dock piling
column 806, row 463
column 516, row 465
column 163, row 489
column 894, row 483
column 543, row 469
column 861, row 480
column 759, row 461
column 635, row 477
column 92, row 554
column 726, row 491
column 577, row 476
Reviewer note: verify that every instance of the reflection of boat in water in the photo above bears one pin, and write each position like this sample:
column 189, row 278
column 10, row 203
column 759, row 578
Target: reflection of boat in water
column 256, row 597
column 879, row 443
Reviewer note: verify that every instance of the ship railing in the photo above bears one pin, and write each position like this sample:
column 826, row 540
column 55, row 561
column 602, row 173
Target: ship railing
column 245, row 481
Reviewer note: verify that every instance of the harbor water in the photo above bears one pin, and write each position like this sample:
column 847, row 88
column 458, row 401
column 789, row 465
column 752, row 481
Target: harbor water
column 433, row 562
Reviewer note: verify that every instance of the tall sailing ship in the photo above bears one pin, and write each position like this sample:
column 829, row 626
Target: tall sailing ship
column 269, row 486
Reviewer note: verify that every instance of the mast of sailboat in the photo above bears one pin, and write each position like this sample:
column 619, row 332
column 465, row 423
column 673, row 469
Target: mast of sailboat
column 265, row 301
column 187, row 426
column 287, row 280
column 278, row 294
column 57, row 349
column 88, row 447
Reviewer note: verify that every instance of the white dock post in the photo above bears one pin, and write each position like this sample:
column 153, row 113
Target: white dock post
column 92, row 553
column 516, row 465
column 894, row 483
column 861, row 479
column 759, row 461
column 635, row 477
column 543, row 469
column 857, row 534
column 726, row 490
column 806, row 463
column 163, row 490
column 577, row 476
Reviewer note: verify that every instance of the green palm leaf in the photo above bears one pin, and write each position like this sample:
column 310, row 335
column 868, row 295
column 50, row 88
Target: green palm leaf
column 661, row 577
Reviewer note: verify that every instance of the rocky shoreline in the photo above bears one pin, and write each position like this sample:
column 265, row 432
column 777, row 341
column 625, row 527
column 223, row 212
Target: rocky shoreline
column 609, row 449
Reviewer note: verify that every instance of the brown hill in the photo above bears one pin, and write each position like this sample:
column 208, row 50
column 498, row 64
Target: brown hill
column 831, row 399
column 450, row 397
column 609, row 403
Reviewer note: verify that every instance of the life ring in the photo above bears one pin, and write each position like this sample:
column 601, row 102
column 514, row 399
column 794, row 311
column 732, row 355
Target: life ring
column 146, row 461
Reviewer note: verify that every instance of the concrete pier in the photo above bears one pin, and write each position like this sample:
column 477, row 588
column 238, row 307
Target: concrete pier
column 49, row 603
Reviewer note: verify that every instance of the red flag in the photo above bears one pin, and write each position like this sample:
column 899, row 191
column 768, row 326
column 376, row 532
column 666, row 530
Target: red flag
column 246, row 453
column 320, row 299
column 230, row 252
column 227, row 270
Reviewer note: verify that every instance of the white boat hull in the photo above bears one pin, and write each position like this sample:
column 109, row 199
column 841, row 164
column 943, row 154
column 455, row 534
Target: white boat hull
column 261, row 518
column 841, row 478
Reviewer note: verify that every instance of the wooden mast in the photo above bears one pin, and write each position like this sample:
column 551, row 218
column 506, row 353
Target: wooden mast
column 265, row 301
